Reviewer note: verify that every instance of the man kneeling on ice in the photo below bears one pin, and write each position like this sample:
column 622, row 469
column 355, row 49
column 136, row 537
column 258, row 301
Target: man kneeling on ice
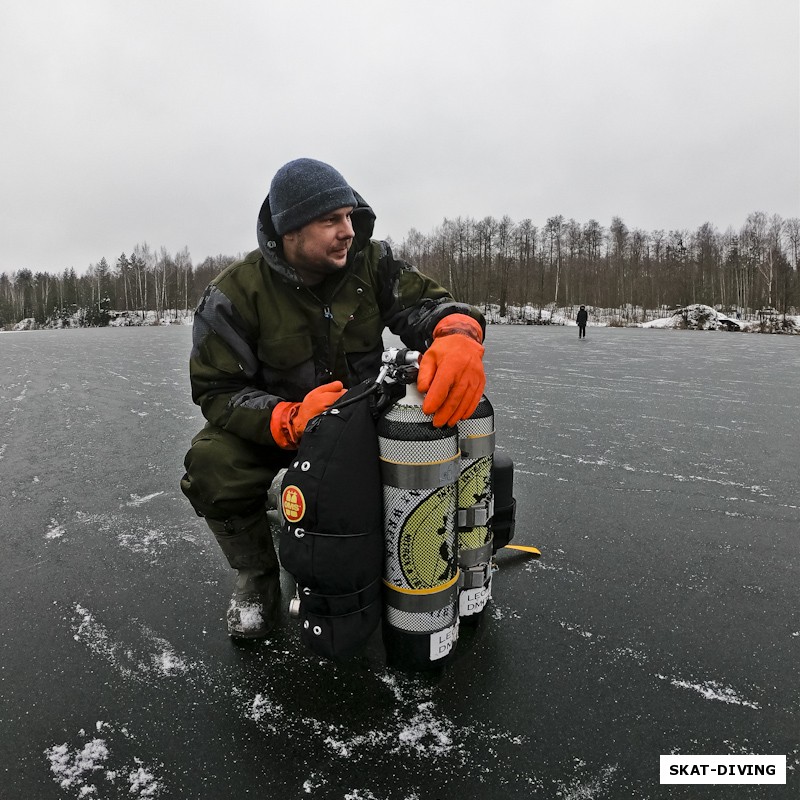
column 277, row 339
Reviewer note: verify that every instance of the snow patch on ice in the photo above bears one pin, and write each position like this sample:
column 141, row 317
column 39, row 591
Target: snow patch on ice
column 548, row 566
column 21, row 395
column 147, row 541
column 72, row 767
column 504, row 612
column 164, row 660
column 54, row 530
column 573, row 628
column 266, row 711
column 159, row 659
column 143, row 782
column 390, row 681
column 313, row 782
column 84, row 769
column 425, row 733
column 593, row 789
column 416, row 727
column 137, row 500
column 711, row 690
column 139, row 536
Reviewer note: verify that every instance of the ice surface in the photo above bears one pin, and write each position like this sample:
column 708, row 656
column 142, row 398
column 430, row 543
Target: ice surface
column 656, row 471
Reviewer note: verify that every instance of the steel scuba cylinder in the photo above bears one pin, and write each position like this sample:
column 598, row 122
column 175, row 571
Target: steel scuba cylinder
column 419, row 472
column 475, row 507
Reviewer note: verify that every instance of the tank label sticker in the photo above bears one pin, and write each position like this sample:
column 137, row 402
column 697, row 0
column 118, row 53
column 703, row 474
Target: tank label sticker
column 473, row 601
column 420, row 536
column 293, row 504
column 442, row 642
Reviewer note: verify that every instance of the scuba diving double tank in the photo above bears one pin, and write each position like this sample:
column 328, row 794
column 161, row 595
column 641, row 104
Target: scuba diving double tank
column 391, row 501
column 438, row 504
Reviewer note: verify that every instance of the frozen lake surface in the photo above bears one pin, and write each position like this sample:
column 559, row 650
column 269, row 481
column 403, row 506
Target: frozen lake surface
column 656, row 471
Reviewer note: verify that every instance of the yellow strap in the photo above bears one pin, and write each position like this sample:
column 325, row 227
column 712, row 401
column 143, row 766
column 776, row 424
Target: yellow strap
column 435, row 589
column 525, row 549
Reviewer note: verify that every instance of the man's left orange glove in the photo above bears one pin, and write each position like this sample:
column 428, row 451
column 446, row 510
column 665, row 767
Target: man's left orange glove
column 451, row 370
column 289, row 420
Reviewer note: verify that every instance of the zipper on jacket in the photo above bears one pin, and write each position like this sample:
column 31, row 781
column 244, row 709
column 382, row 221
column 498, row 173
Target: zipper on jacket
column 324, row 361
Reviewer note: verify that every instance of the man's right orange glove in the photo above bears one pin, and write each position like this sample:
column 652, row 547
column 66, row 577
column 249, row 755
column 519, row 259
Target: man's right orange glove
column 289, row 420
column 451, row 370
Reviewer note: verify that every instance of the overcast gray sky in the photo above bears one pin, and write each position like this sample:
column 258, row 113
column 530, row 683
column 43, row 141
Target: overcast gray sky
column 164, row 120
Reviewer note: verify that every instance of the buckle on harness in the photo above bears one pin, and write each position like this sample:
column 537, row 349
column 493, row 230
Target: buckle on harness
column 476, row 516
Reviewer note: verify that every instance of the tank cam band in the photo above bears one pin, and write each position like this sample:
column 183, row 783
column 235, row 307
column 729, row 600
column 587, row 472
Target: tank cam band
column 479, row 555
column 477, row 446
column 421, row 601
column 420, row 476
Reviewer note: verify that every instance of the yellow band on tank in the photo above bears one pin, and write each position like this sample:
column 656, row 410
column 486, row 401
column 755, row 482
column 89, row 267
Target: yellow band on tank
column 422, row 601
column 440, row 588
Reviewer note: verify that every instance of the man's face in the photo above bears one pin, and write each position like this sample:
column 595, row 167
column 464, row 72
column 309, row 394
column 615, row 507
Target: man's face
column 320, row 247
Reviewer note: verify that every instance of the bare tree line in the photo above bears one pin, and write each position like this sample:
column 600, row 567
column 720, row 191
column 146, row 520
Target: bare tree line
column 147, row 280
column 565, row 263
column 484, row 262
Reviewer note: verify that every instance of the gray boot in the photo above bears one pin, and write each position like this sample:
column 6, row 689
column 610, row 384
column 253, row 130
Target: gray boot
column 247, row 544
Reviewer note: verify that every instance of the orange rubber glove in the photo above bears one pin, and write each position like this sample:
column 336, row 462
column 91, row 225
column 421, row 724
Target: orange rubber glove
column 289, row 420
column 451, row 370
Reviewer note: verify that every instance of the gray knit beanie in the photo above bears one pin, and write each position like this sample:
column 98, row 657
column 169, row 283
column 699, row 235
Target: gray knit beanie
column 305, row 189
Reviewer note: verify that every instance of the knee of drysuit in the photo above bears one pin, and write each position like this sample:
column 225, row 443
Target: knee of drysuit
column 223, row 479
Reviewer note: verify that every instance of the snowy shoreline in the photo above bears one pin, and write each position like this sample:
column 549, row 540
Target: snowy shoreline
column 696, row 317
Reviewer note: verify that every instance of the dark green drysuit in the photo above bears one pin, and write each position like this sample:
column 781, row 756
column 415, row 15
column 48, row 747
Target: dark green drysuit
column 261, row 336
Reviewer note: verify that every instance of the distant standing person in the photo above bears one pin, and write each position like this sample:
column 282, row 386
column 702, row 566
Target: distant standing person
column 581, row 320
